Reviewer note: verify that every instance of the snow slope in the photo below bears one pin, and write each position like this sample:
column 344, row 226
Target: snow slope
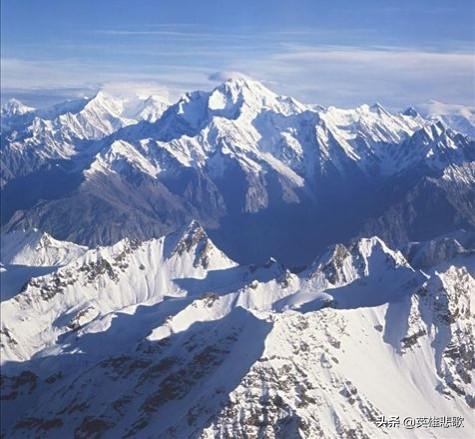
column 171, row 338
column 27, row 254
column 37, row 249
column 237, row 158
column 14, row 113
column 243, row 120
column 458, row 117
column 61, row 132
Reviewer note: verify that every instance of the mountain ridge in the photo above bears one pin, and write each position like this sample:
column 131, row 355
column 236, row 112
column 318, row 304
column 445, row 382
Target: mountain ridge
column 280, row 352
column 240, row 156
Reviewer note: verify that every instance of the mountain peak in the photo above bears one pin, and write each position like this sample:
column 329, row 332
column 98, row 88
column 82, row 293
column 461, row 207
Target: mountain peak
column 242, row 94
column 190, row 236
column 193, row 242
column 102, row 101
column 14, row 107
column 410, row 111
column 378, row 108
column 243, row 82
column 234, row 92
column 229, row 77
column 150, row 109
column 367, row 247
column 341, row 264
column 37, row 248
column 433, row 130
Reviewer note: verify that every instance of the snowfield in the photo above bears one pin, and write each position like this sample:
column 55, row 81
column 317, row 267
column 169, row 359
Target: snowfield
column 171, row 338
column 242, row 160
column 236, row 264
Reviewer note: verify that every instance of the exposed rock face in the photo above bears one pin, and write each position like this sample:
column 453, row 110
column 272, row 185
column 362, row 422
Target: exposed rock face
column 437, row 251
column 171, row 338
column 245, row 162
column 453, row 316
column 159, row 333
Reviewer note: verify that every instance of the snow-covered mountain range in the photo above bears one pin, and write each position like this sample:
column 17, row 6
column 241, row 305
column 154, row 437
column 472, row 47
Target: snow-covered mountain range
column 239, row 158
column 35, row 137
column 171, row 338
column 235, row 264
column 459, row 117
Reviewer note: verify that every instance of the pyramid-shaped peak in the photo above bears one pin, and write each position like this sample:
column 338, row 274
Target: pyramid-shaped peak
column 104, row 101
column 231, row 77
column 378, row 108
column 242, row 93
column 191, row 235
column 433, row 130
column 246, row 87
column 341, row 264
column 36, row 248
column 368, row 245
column 410, row 111
column 14, row 107
column 243, row 81
column 185, row 239
column 45, row 240
column 374, row 251
column 193, row 242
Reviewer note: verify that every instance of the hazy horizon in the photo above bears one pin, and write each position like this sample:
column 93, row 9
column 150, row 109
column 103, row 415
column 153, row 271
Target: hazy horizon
column 328, row 54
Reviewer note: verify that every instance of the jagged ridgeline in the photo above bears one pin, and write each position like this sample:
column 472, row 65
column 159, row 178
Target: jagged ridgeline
column 266, row 175
column 172, row 338
column 236, row 264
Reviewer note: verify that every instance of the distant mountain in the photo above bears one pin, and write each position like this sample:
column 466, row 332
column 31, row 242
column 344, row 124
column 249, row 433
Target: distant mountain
column 15, row 113
column 14, row 107
column 265, row 174
column 458, row 117
column 33, row 138
column 34, row 248
column 171, row 338
column 149, row 109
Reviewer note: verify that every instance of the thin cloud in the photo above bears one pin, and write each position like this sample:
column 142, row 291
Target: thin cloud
column 323, row 74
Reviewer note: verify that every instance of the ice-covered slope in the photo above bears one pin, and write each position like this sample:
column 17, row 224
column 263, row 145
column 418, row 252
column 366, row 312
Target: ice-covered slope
column 149, row 109
column 102, row 281
column 443, row 248
column 241, row 158
column 244, row 122
column 65, row 130
column 171, row 338
column 28, row 254
column 461, row 118
column 435, row 147
column 14, row 113
column 35, row 248
column 59, row 133
column 14, row 107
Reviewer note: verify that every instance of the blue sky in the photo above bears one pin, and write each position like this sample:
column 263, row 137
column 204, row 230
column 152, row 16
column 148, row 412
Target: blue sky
column 338, row 52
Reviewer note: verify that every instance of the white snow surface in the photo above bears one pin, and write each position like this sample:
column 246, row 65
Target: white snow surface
column 38, row 249
column 171, row 338
column 244, row 121
column 458, row 117
column 73, row 128
column 241, row 121
column 14, row 107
